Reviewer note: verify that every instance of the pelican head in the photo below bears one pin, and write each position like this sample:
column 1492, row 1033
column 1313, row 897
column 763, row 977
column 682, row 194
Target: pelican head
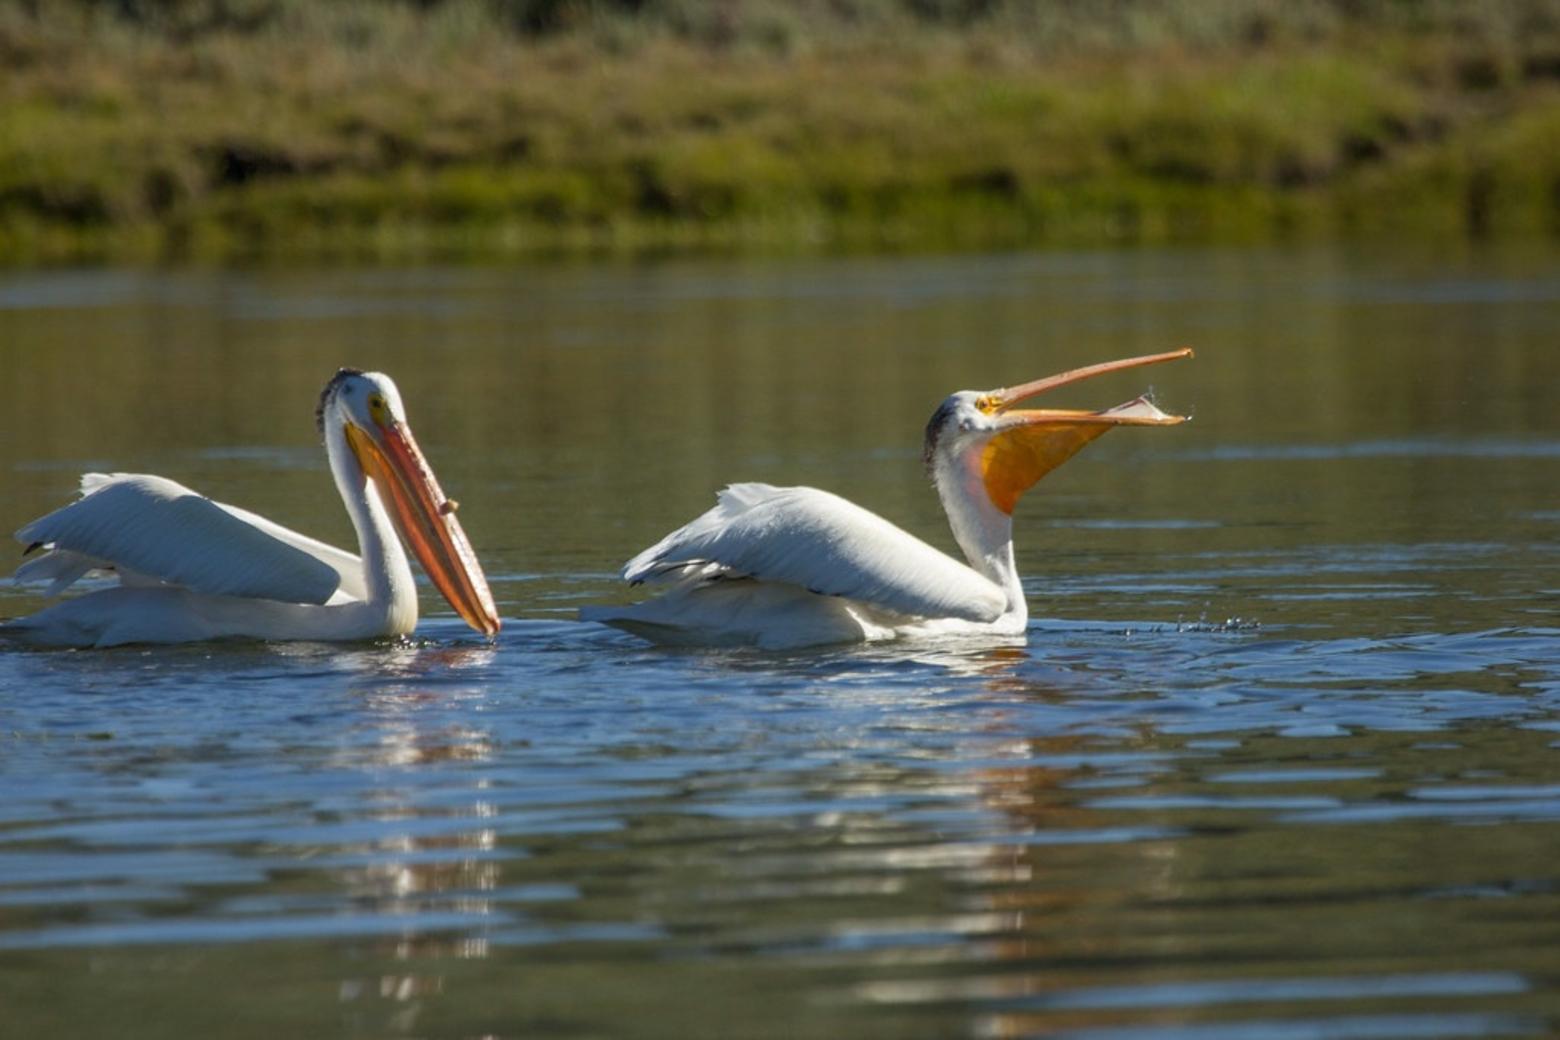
column 366, row 409
column 980, row 446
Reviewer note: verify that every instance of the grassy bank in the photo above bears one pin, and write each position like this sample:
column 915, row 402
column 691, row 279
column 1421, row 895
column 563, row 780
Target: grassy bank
column 402, row 130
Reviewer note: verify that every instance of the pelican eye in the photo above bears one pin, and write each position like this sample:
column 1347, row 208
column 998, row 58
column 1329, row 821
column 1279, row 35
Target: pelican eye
column 987, row 403
column 378, row 409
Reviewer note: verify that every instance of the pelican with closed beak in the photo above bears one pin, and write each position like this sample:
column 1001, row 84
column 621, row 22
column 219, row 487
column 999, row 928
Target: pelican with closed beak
column 193, row 569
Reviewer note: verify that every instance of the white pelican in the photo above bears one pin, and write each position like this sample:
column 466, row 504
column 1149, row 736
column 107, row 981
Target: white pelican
column 192, row 569
column 785, row 567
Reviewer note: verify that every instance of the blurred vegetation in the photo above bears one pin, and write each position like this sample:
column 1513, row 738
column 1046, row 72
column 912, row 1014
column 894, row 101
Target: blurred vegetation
column 428, row 128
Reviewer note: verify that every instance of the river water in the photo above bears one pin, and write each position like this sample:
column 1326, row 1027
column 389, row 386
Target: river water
column 1278, row 758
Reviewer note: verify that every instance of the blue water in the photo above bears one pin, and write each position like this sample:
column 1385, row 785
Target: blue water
column 1276, row 759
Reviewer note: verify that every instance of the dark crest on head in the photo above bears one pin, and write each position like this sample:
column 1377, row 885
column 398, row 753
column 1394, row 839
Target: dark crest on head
column 934, row 430
column 341, row 376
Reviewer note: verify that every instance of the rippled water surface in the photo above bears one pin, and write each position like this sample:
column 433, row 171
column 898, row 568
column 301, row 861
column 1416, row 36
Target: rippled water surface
column 1278, row 758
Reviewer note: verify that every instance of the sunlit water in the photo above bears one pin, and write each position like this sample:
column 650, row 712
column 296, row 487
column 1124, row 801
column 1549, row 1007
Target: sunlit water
column 1277, row 759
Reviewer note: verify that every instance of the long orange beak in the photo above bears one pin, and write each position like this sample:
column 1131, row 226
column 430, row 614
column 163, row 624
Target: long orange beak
column 426, row 520
column 1031, row 442
column 1002, row 399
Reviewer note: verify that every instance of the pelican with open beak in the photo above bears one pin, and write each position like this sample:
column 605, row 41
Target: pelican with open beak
column 783, row 567
column 193, row 569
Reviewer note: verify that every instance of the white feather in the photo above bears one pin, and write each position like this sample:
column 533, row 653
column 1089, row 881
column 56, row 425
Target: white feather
column 824, row 544
column 154, row 528
column 61, row 568
column 743, row 612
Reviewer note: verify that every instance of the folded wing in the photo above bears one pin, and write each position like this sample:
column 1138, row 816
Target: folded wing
column 155, row 528
column 810, row 538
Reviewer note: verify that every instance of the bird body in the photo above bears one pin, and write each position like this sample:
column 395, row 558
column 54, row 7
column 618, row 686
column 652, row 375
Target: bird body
column 830, row 571
column 785, row 567
column 193, row 569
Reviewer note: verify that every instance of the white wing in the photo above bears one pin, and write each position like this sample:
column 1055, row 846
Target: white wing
column 821, row 542
column 150, row 527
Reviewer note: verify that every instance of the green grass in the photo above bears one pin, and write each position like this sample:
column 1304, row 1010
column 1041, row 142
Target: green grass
column 384, row 130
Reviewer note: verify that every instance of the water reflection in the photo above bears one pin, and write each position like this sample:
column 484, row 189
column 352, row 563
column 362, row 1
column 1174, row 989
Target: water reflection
column 405, row 873
column 1275, row 758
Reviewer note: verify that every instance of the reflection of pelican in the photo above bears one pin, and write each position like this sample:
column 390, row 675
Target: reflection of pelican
column 798, row 566
column 193, row 569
